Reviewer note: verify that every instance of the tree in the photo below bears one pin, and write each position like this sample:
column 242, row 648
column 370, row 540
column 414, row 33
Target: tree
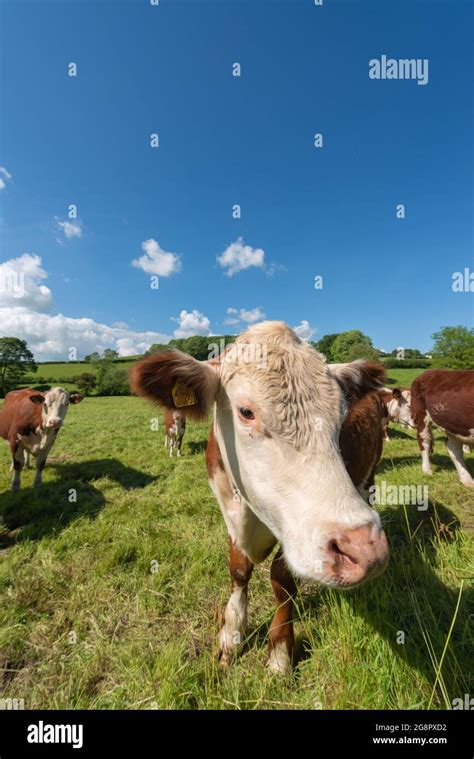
column 453, row 348
column 15, row 361
column 92, row 358
column 156, row 347
column 113, row 380
column 324, row 345
column 349, row 346
column 109, row 355
column 86, row 382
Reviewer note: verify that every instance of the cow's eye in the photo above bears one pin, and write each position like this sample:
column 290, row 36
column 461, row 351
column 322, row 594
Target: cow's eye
column 246, row 413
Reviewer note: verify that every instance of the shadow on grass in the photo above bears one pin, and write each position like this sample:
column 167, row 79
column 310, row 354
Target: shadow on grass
column 438, row 461
column 30, row 515
column 412, row 609
column 197, row 447
column 400, row 434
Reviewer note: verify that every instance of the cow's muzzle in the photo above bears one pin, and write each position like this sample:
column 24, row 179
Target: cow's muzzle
column 355, row 555
column 54, row 424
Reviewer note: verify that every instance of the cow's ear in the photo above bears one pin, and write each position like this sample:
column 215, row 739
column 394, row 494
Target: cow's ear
column 358, row 378
column 176, row 381
column 76, row 398
column 37, row 398
column 397, row 393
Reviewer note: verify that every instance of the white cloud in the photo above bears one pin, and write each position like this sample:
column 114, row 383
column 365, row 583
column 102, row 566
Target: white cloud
column 69, row 228
column 235, row 316
column 20, row 283
column 156, row 260
column 192, row 323
column 305, row 330
column 237, row 257
column 50, row 336
column 4, row 174
column 255, row 315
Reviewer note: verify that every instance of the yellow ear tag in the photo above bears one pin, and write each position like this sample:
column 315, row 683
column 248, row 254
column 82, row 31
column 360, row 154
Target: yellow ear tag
column 183, row 396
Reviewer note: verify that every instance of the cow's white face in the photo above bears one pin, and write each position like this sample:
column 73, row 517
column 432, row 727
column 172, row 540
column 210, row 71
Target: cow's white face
column 399, row 408
column 55, row 404
column 278, row 428
column 277, row 423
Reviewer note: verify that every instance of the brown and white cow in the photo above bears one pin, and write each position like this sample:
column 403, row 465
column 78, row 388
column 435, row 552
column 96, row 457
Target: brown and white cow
column 278, row 466
column 175, row 426
column 396, row 403
column 30, row 422
column 445, row 397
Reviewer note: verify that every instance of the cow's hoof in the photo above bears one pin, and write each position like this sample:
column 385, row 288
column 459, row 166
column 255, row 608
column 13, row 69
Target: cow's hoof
column 15, row 488
column 279, row 660
column 225, row 659
column 227, row 649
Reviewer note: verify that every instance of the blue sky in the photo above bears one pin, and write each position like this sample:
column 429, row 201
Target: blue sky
column 226, row 140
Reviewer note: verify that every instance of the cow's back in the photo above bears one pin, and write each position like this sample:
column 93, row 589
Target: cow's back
column 448, row 396
column 18, row 414
column 361, row 438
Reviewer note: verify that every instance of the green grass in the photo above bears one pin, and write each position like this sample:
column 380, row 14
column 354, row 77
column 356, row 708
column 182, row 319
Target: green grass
column 402, row 377
column 86, row 622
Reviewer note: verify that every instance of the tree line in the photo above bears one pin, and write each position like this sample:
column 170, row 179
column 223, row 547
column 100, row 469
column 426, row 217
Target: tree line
column 453, row 348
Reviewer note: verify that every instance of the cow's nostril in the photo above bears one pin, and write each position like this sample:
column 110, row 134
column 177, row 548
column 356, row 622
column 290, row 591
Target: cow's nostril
column 336, row 550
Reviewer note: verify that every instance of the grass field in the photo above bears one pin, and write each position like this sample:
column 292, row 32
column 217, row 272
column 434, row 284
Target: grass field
column 112, row 600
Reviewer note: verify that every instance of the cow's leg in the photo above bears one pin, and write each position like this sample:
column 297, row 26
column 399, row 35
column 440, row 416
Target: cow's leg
column 235, row 617
column 18, row 460
column 171, row 444
column 178, row 446
column 166, row 440
column 27, row 459
column 386, row 436
column 40, row 464
column 425, row 441
column 281, row 636
column 455, row 450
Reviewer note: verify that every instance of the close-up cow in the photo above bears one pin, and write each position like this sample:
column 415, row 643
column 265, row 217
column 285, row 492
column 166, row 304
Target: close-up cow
column 30, row 422
column 280, row 466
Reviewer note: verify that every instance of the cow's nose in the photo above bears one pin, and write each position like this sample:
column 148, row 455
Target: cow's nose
column 357, row 555
column 55, row 423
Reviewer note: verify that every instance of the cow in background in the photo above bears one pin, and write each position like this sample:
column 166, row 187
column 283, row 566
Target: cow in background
column 445, row 397
column 30, row 422
column 397, row 409
column 175, row 426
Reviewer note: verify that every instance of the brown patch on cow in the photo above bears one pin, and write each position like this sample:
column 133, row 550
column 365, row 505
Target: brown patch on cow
column 361, row 439
column 284, row 590
column 369, row 376
column 448, row 396
column 213, row 455
column 240, row 567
